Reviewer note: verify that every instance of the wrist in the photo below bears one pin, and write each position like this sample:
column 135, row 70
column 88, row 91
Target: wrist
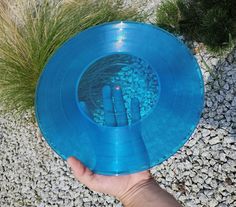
column 136, row 192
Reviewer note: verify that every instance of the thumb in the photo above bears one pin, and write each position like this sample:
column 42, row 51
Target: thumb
column 82, row 173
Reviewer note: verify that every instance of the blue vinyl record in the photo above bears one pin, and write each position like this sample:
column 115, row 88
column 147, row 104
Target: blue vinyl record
column 121, row 97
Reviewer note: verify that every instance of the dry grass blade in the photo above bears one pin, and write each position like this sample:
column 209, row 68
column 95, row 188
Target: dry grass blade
column 32, row 30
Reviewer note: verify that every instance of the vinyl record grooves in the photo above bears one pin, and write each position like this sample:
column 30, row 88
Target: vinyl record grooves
column 152, row 87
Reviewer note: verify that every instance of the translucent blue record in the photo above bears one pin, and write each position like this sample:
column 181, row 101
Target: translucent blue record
column 121, row 97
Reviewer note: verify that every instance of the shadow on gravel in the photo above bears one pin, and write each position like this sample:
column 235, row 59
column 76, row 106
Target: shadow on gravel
column 220, row 94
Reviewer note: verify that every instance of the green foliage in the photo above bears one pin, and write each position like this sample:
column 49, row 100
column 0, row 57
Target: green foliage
column 168, row 16
column 212, row 22
column 30, row 32
column 215, row 27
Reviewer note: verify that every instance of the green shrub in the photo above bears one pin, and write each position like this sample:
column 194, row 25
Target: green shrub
column 30, row 32
column 212, row 22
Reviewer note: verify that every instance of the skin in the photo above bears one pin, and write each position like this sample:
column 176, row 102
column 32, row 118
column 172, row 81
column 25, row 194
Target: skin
column 134, row 190
column 105, row 184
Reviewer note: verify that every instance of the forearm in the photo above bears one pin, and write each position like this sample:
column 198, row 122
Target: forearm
column 148, row 194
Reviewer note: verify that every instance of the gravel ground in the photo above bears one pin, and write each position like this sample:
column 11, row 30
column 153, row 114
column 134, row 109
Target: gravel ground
column 202, row 173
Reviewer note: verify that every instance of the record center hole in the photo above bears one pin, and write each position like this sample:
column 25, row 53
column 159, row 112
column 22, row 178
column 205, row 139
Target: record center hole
column 131, row 74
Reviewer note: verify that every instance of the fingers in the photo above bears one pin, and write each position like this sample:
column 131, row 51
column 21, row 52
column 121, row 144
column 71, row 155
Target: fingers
column 82, row 173
column 109, row 114
column 121, row 116
column 135, row 110
column 84, row 107
column 116, row 115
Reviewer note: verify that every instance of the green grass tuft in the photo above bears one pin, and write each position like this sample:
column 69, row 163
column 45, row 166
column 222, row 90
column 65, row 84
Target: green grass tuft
column 30, row 32
column 168, row 16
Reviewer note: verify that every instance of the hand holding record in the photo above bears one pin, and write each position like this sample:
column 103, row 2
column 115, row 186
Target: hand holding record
column 114, row 115
column 117, row 146
column 138, row 189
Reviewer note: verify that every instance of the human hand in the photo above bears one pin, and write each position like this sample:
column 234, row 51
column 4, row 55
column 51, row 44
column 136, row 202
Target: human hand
column 117, row 186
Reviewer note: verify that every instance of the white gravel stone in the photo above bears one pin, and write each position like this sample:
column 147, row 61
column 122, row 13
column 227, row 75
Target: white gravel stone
column 213, row 203
column 234, row 102
column 215, row 140
column 209, row 103
column 205, row 132
column 214, row 61
column 226, row 86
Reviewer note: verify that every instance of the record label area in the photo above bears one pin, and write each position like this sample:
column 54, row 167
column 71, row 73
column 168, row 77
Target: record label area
column 131, row 74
